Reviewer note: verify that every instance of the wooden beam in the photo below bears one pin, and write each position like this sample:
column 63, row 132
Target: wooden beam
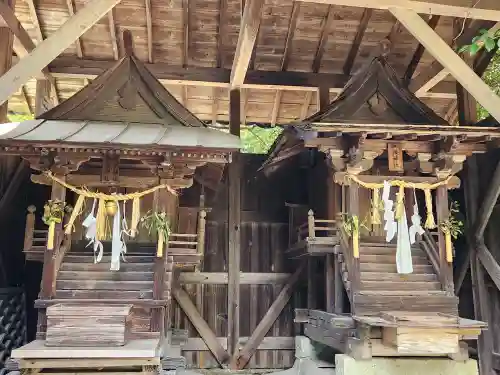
column 78, row 43
column 200, row 325
column 479, row 290
column 68, row 67
column 25, row 45
column 286, row 57
column 24, row 92
column 6, row 47
column 487, row 206
column 234, row 229
column 246, row 278
column 356, row 43
column 484, row 9
column 490, row 264
column 268, row 320
column 449, row 59
column 250, row 24
column 149, row 29
column 323, row 39
column 435, row 73
column 43, row 99
column 51, row 47
column 112, row 34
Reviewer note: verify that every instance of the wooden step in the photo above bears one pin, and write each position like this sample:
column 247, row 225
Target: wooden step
column 377, row 244
column 70, row 258
column 373, row 303
column 384, row 276
column 101, row 294
column 104, row 267
column 390, row 259
column 374, row 250
column 391, row 267
column 407, row 285
column 106, row 275
column 102, row 285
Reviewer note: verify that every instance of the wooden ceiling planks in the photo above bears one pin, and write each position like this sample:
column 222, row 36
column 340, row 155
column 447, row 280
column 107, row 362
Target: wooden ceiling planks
column 325, row 35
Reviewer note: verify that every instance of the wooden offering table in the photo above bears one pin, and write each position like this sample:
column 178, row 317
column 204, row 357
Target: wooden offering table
column 140, row 356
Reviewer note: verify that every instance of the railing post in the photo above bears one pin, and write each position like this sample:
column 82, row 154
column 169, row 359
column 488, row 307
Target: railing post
column 202, row 222
column 354, row 276
column 446, row 268
column 310, row 224
column 30, row 228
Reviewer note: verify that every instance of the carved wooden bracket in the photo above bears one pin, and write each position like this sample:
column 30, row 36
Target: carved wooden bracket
column 110, row 169
column 441, row 165
column 61, row 164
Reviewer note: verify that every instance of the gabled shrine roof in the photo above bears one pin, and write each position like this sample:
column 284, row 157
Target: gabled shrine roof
column 126, row 106
column 376, row 103
column 375, row 95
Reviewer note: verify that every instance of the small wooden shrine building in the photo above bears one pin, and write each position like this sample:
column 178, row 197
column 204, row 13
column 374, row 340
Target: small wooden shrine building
column 382, row 153
column 123, row 138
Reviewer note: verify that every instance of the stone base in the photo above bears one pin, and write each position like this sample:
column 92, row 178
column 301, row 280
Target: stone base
column 345, row 365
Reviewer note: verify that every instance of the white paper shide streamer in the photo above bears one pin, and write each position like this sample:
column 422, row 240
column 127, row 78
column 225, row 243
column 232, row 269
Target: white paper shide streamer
column 390, row 226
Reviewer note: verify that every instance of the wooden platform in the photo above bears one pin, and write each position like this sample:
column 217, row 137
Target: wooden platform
column 137, row 349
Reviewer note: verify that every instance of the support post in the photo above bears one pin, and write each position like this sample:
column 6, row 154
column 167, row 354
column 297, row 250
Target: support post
column 234, row 221
column 446, row 269
column 479, row 291
column 6, row 45
column 48, row 287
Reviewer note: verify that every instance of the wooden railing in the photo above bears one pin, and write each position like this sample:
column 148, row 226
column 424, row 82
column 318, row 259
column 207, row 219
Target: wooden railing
column 34, row 240
column 188, row 248
column 351, row 262
column 316, row 228
column 442, row 268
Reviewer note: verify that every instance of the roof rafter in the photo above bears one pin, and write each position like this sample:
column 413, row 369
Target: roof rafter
column 419, row 52
column 436, row 73
column 286, row 57
column 149, row 29
column 250, row 23
column 356, row 43
column 219, row 58
column 484, row 9
column 450, row 60
column 26, row 44
column 185, row 51
column 112, row 34
column 68, row 67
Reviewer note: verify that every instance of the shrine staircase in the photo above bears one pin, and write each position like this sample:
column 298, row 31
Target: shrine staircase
column 374, row 286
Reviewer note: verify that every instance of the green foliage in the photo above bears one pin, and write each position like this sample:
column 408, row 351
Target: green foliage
column 452, row 224
column 483, row 40
column 258, row 140
column 19, row 117
column 157, row 223
column 351, row 223
column 492, row 78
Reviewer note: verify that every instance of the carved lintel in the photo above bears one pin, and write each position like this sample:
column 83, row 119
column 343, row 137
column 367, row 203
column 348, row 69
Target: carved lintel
column 448, row 144
column 448, row 165
column 39, row 163
column 110, row 169
column 67, row 163
column 365, row 162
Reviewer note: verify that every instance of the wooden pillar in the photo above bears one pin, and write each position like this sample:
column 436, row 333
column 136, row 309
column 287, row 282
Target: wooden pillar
column 43, row 98
column 324, row 97
column 446, row 269
column 162, row 268
column 479, row 291
column 48, row 287
column 233, row 231
column 6, row 42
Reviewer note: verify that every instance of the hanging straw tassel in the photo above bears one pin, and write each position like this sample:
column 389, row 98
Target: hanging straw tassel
column 74, row 214
column 355, row 237
column 448, row 246
column 375, row 208
column 136, row 216
column 430, row 223
column 161, row 242
column 51, row 235
column 400, row 202
column 101, row 220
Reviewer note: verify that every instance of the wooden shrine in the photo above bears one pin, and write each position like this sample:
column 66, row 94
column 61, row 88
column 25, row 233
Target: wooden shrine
column 124, row 135
column 388, row 154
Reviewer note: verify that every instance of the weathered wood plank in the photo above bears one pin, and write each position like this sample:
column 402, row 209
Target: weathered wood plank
column 51, row 47
column 201, row 326
column 87, row 325
column 269, row 318
column 256, row 278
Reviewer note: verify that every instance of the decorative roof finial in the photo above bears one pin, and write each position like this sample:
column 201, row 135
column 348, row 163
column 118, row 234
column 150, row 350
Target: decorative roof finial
column 128, row 43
